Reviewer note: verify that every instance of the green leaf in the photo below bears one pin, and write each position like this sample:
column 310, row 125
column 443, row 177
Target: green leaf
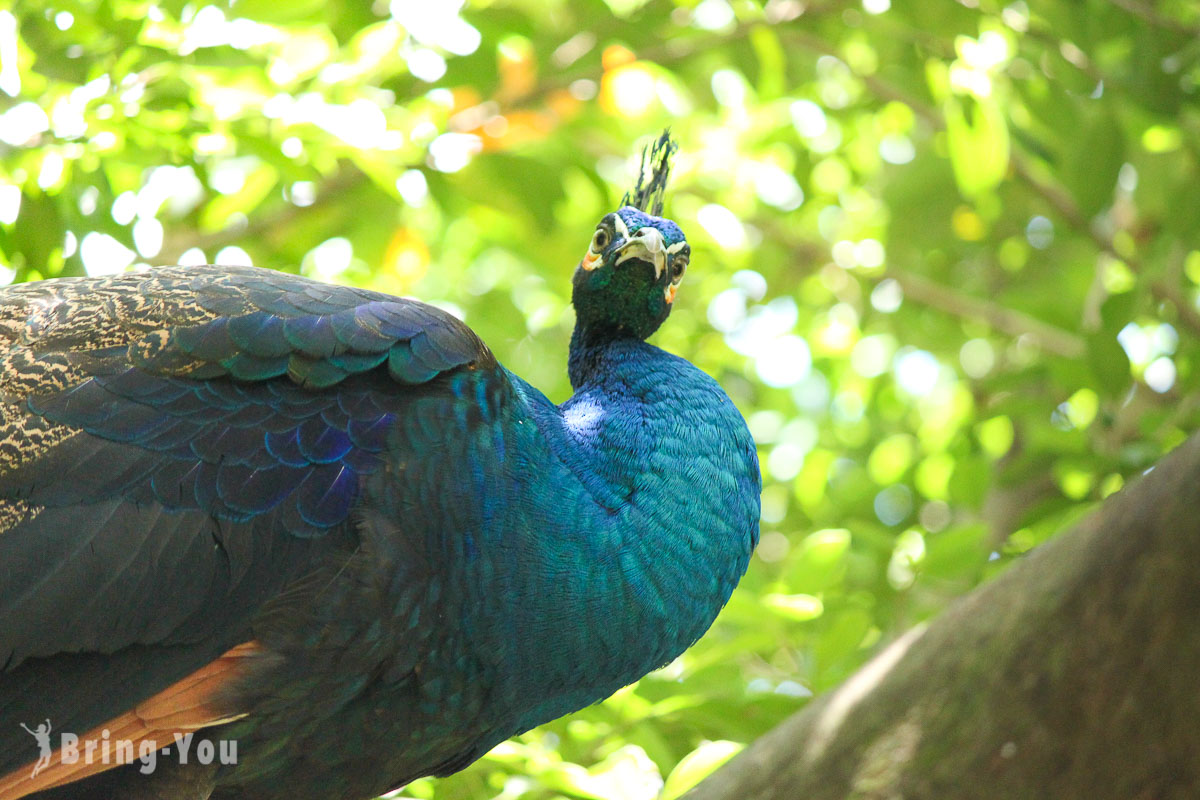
column 820, row 560
column 838, row 643
column 955, row 554
column 1093, row 160
column 1108, row 363
column 281, row 13
column 257, row 187
column 977, row 136
column 799, row 607
column 970, row 481
column 698, row 765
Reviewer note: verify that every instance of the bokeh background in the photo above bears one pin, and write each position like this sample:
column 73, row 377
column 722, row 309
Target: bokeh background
column 946, row 261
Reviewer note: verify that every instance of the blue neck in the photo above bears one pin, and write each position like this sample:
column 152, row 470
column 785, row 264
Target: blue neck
column 646, row 522
column 590, row 344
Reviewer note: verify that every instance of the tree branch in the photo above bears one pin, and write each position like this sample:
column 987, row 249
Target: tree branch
column 330, row 190
column 1071, row 675
column 1013, row 323
column 1148, row 13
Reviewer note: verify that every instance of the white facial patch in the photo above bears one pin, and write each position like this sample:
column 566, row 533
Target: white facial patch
column 648, row 245
column 619, row 225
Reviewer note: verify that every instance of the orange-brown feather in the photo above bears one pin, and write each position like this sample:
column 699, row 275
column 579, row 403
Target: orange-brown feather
column 186, row 705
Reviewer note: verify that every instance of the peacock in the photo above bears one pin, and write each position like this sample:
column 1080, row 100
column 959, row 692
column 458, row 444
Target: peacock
column 324, row 525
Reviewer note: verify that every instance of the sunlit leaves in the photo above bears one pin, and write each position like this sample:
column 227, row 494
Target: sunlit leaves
column 946, row 259
column 819, row 560
column 977, row 136
column 697, row 765
column 798, row 607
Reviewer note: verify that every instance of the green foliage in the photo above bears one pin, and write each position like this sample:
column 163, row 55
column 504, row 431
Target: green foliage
column 946, row 258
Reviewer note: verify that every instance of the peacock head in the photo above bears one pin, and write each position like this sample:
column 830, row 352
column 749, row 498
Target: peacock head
column 627, row 280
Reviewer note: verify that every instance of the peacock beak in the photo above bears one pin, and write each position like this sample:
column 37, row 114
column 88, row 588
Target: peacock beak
column 646, row 244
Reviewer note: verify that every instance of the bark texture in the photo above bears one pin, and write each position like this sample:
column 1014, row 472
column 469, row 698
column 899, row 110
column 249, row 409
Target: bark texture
column 1075, row 674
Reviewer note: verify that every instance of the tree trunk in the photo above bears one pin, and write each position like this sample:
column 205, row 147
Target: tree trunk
column 1075, row 674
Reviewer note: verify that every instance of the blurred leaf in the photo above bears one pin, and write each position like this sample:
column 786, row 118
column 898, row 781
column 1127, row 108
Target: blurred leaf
column 698, row 765
column 800, row 607
column 1092, row 164
column 258, row 184
column 977, row 136
column 954, row 554
column 819, row 560
column 1108, row 362
column 280, row 13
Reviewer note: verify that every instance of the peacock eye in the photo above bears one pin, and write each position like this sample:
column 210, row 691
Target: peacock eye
column 678, row 265
column 600, row 240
